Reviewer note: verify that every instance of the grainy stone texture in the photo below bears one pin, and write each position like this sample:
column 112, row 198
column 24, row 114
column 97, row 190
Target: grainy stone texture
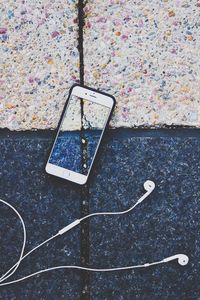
column 39, row 61
column 166, row 223
column 145, row 53
column 46, row 204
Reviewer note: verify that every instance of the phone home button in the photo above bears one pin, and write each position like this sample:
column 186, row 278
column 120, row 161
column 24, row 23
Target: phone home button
column 66, row 173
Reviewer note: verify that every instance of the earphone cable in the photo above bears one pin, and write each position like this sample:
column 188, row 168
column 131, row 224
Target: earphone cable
column 16, row 265
column 13, row 269
column 4, row 277
column 148, row 185
column 82, row 268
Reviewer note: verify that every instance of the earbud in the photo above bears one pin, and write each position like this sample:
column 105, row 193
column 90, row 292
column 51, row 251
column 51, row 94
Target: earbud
column 182, row 259
column 149, row 186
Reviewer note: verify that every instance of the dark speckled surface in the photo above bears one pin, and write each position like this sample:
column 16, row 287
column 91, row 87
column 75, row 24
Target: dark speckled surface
column 166, row 223
column 47, row 204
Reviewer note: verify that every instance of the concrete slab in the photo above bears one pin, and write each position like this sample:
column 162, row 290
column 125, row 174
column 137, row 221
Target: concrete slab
column 166, row 223
column 145, row 53
column 39, row 61
column 47, row 204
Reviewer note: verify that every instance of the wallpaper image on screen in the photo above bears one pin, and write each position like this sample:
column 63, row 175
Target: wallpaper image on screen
column 83, row 122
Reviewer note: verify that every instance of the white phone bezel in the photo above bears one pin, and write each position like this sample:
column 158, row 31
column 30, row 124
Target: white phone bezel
column 92, row 96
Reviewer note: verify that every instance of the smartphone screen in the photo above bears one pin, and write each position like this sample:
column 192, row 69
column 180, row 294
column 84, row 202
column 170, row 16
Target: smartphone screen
column 80, row 132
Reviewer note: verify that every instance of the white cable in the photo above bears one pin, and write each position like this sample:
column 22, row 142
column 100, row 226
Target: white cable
column 65, row 229
column 3, row 277
column 109, row 213
column 82, row 268
column 148, row 185
column 16, row 265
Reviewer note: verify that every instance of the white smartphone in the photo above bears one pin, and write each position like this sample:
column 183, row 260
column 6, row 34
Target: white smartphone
column 80, row 131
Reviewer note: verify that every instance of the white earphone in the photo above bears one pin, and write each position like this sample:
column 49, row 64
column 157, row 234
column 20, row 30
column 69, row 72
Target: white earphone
column 148, row 186
column 182, row 259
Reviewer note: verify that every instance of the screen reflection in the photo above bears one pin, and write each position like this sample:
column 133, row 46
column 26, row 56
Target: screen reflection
column 80, row 130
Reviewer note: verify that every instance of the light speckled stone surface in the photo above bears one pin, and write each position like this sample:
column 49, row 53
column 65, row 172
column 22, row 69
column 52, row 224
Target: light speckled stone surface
column 39, row 61
column 146, row 54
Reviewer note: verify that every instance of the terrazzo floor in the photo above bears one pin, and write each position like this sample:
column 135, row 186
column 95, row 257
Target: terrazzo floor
column 144, row 53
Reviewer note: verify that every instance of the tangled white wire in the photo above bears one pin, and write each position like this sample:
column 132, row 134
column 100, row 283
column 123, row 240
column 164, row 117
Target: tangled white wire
column 149, row 187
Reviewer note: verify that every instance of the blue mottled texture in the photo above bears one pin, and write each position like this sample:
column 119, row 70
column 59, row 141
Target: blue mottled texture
column 67, row 151
column 166, row 223
column 47, row 204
